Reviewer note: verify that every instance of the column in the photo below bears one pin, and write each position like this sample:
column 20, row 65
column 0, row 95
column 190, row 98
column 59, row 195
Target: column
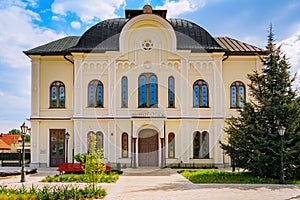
column 162, row 150
column 134, row 152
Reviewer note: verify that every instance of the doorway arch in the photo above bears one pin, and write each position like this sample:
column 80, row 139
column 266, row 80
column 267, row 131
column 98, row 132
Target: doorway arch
column 148, row 148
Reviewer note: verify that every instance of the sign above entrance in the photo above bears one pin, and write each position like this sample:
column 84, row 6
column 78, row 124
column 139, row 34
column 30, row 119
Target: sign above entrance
column 158, row 114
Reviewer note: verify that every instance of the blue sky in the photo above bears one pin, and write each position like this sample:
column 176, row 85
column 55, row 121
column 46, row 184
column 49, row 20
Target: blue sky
column 29, row 23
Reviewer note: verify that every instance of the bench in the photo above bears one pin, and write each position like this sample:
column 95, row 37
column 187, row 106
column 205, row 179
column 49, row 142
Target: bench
column 70, row 168
column 76, row 168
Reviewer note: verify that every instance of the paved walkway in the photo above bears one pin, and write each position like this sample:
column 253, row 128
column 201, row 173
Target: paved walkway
column 166, row 184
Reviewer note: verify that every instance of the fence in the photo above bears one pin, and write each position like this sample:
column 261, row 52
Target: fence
column 13, row 159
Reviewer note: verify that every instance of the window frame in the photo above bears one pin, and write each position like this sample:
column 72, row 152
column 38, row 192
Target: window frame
column 238, row 99
column 171, row 92
column 99, row 140
column 198, row 151
column 57, row 85
column 201, row 83
column 148, row 88
column 95, row 83
column 124, row 144
column 171, row 145
column 124, row 102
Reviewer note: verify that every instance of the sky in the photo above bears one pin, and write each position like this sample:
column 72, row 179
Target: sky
column 26, row 24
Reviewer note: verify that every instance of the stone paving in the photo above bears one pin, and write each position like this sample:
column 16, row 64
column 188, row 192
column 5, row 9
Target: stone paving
column 166, row 184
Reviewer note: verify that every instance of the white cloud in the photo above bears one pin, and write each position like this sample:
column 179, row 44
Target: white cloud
column 291, row 47
column 255, row 40
column 14, row 110
column 76, row 25
column 7, row 125
column 100, row 10
column 55, row 18
column 20, row 33
column 176, row 8
column 33, row 15
column 32, row 3
column 147, row 2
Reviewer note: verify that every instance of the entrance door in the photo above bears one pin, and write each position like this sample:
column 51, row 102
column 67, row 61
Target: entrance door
column 148, row 148
column 57, row 147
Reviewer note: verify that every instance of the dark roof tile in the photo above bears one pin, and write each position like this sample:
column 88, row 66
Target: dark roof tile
column 56, row 47
column 234, row 46
column 104, row 36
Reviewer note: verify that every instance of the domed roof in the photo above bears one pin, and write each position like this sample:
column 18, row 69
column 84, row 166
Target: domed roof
column 104, row 36
column 191, row 36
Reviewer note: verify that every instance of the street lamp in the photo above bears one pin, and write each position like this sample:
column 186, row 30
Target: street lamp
column 67, row 142
column 24, row 129
column 281, row 131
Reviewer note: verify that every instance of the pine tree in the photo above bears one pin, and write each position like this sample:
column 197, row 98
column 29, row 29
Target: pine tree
column 253, row 138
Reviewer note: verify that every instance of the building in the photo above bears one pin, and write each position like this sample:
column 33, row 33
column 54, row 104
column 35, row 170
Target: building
column 4, row 147
column 12, row 143
column 154, row 91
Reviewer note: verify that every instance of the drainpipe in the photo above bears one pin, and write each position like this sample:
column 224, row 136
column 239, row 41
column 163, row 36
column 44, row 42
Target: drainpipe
column 65, row 57
column 227, row 56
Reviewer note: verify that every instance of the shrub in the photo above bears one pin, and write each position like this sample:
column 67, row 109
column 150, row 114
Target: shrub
column 55, row 192
column 80, row 178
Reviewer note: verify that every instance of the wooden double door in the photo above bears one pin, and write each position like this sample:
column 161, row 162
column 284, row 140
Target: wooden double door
column 57, row 147
column 148, row 148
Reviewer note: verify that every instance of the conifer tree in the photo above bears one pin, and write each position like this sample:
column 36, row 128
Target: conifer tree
column 253, row 138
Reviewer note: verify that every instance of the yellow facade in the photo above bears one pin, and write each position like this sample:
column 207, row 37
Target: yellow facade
column 163, row 59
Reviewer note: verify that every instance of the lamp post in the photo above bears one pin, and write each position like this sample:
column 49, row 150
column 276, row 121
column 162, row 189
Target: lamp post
column 281, row 131
column 24, row 129
column 67, row 142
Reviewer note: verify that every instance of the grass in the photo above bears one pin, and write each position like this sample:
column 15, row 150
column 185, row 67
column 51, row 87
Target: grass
column 216, row 176
column 55, row 192
column 82, row 178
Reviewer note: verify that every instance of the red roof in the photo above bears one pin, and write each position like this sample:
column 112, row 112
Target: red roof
column 10, row 138
column 3, row 145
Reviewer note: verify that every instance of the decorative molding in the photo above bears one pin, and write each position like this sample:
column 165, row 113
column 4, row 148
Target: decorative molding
column 170, row 64
column 147, row 65
column 125, row 64
column 94, row 65
column 202, row 65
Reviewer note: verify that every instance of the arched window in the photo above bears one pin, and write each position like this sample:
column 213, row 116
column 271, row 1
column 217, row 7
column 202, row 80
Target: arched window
column 142, row 91
column 95, row 94
column 124, row 92
column 153, row 90
column 98, row 137
column 99, row 140
column 171, row 85
column 204, row 143
column 196, row 145
column 200, row 90
column 124, row 145
column 201, row 145
column 89, row 140
column 147, row 90
column 171, row 148
column 57, row 95
column 237, row 94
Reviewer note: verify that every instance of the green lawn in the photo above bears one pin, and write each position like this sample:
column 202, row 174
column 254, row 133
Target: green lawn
column 216, row 176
